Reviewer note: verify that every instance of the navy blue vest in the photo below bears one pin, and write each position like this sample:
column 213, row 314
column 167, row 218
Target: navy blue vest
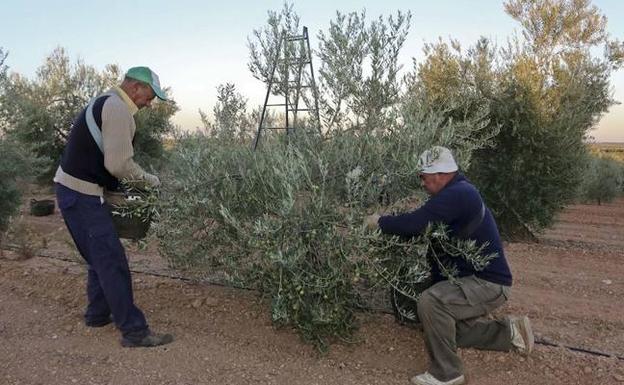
column 82, row 157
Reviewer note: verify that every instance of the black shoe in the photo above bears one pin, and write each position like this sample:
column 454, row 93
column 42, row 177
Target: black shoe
column 99, row 323
column 150, row 340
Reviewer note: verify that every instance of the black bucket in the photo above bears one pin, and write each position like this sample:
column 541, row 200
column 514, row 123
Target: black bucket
column 41, row 208
column 130, row 227
column 128, row 224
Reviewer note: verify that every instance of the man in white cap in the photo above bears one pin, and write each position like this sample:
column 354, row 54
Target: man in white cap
column 97, row 155
column 451, row 311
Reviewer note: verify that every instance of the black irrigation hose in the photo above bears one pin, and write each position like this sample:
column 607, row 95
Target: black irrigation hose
column 577, row 349
column 153, row 274
column 214, row 283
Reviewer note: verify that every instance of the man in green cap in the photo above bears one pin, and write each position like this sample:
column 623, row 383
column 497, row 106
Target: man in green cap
column 98, row 154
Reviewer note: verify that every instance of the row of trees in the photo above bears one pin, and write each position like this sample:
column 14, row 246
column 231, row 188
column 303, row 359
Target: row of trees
column 286, row 219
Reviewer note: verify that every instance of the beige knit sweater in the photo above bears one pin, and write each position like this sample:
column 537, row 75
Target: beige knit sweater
column 118, row 128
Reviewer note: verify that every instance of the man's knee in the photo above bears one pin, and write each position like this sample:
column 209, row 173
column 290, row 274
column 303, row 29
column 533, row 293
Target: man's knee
column 426, row 303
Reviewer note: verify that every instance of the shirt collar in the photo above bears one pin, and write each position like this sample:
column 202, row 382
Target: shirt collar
column 456, row 179
column 124, row 96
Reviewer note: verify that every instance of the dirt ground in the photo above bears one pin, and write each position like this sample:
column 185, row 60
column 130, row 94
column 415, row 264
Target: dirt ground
column 571, row 285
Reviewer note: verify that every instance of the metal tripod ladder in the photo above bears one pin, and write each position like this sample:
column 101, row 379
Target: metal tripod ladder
column 292, row 89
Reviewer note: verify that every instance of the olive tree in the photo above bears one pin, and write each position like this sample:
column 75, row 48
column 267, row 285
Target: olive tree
column 358, row 75
column 40, row 112
column 15, row 163
column 359, row 70
column 544, row 91
column 268, row 43
column 230, row 117
column 602, row 180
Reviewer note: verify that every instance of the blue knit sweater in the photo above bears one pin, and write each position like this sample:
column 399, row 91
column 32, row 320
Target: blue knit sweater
column 455, row 205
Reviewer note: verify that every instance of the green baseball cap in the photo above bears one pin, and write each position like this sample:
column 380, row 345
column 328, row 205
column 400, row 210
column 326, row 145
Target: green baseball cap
column 147, row 76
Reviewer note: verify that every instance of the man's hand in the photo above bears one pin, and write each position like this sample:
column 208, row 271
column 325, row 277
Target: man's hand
column 152, row 180
column 371, row 221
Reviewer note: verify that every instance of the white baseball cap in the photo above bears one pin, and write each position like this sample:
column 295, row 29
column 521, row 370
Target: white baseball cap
column 437, row 159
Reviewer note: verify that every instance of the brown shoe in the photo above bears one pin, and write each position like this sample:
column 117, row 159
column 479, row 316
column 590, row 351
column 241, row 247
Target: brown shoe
column 150, row 340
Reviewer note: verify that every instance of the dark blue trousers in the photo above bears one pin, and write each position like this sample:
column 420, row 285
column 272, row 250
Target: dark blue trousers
column 109, row 285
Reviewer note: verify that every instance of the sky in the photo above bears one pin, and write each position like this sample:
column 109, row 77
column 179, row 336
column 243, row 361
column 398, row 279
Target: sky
column 196, row 45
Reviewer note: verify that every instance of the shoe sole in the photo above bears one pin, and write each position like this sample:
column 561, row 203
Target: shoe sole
column 129, row 344
column 457, row 381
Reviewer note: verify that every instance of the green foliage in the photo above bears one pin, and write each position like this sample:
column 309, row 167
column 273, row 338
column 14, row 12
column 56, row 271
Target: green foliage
column 358, row 85
column 15, row 165
column 405, row 266
column 287, row 220
column 39, row 112
column 534, row 166
column 543, row 93
column 3, row 68
column 16, row 162
column 138, row 201
column 359, row 67
column 277, row 58
column 556, row 25
column 267, row 43
column 450, row 88
column 3, row 86
column 603, row 180
column 231, row 120
column 552, row 93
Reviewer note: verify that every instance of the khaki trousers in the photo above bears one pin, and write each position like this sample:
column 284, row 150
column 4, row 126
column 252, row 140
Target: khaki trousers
column 451, row 313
